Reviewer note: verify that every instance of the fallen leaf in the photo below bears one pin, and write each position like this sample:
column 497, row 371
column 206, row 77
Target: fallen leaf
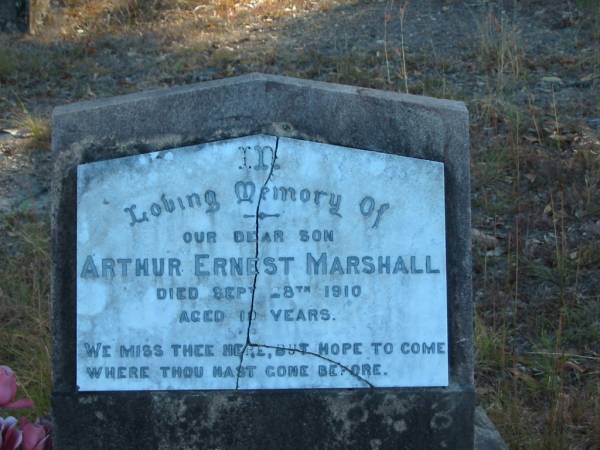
column 560, row 137
column 16, row 132
column 531, row 139
column 573, row 365
column 552, row 80
column 522, row 376
column 590, row 77
column 496, row 252
column 484, row 240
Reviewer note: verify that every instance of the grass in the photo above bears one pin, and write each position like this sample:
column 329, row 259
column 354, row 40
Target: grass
column 37, row 127
column 8, row 63
column 536, row 333
column 25, row 342
column 130, row 12
column 500, row 45
column 537, row 322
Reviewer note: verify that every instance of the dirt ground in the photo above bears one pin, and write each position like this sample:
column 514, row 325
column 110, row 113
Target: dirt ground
column 529, row 72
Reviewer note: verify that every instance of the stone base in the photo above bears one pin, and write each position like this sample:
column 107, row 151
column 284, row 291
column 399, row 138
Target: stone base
column 263, row 420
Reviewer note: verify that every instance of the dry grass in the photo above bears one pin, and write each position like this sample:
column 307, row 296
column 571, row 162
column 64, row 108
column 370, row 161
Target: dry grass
column 85, row 17
column 538, row 317
column 8, row 63
column 37, row 129
column 501, row 49
column 25, row 342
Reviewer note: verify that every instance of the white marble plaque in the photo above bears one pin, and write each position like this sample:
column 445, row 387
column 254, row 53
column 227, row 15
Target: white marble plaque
column 261, row 263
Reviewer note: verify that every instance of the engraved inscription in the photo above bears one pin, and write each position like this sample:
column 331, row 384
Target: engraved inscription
column 261, row 263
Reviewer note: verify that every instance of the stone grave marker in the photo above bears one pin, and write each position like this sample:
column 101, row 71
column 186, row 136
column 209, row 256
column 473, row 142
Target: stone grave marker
column 262, row 262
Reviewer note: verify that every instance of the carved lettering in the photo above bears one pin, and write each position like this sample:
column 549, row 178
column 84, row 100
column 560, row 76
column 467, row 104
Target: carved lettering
column 244, row 191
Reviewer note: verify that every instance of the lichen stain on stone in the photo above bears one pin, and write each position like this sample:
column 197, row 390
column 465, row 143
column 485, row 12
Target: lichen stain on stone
column 400, row 426
column 87, row 399
column 391, row 405
column 339, row 410
column 170, row 410
column 286, row 129
column 440, row 421
column 357, row 414
column 283, row 129
column 164, row 405
column 90, row 150
column 218, row 407
column 375, row 444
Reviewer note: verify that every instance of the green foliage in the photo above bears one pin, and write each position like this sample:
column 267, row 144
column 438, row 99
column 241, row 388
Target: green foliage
column 583, row 331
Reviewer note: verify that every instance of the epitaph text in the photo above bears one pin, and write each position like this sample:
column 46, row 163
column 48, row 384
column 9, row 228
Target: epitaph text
column 261, row 263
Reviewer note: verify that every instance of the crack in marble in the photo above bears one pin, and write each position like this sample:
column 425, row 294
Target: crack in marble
column 249, row 343
column 306, row 352
column 257, row 221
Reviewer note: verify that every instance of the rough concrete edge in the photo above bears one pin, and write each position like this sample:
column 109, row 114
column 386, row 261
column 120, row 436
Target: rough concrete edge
column 458, row 213
column 88, row 105
column 487, row 436
column 59, row 289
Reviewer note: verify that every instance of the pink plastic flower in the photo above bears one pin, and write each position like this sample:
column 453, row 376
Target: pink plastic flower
column 36, row 436
column 8, row 390
column 10, row 436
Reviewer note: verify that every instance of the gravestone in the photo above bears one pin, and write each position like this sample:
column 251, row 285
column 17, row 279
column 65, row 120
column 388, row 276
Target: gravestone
column 13, row 15
column 262, row 262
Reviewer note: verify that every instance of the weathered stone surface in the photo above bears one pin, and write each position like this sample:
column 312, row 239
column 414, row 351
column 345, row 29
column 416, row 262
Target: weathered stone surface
column 486, row 434
column 346, row 269
column 257, row 104
column 268, row 420
column 13, row 15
